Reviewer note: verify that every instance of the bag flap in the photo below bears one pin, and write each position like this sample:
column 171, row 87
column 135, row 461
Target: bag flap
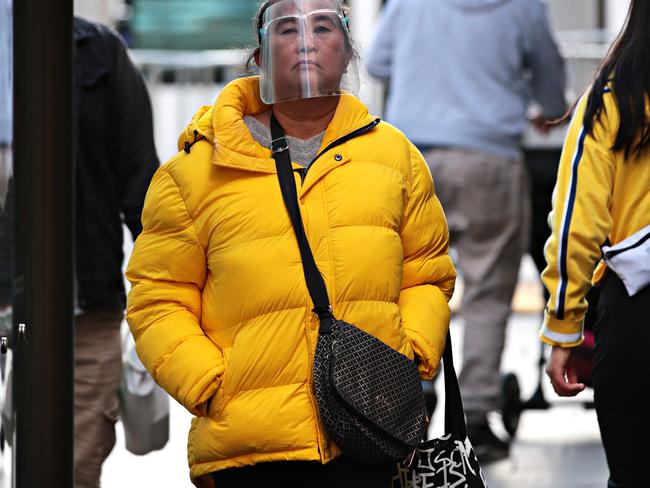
column 378, row 384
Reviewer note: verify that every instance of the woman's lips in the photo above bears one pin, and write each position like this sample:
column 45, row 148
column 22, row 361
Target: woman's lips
column 306, row 63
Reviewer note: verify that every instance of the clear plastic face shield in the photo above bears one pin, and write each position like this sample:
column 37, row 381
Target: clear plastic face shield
column 306, row 51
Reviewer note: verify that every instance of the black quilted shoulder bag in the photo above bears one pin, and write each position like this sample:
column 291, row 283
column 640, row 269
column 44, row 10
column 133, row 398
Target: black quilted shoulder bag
column 369, row 396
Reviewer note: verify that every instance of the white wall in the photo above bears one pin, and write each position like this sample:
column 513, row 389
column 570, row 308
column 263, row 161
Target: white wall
column 104, row 11
column 573, row 14
column 615, row 14
column 364, row 18
column 583, row 14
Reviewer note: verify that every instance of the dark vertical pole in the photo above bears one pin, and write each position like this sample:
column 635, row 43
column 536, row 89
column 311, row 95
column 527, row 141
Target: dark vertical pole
column 43, row 388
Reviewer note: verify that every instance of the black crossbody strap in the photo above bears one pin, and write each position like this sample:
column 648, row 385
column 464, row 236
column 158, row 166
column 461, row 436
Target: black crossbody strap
column 315, row 282
column 454, row 416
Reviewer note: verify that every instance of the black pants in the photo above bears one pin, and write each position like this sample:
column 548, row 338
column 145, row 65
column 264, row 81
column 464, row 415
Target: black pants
column 622, row 382
column 340, row 473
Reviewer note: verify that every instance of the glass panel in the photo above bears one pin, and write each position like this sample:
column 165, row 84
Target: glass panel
column 7, row 433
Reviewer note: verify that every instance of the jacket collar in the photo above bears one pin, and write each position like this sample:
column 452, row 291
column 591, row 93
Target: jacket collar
column 234, row 146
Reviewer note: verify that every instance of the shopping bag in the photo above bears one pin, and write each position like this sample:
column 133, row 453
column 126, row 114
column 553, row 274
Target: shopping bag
column 144, row 406
column 448, row 461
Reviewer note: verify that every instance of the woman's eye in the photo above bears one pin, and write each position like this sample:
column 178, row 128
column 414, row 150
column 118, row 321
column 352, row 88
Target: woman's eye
column 322, row 29
column 289, row 31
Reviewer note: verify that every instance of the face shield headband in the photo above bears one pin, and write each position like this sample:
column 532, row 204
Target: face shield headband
column 306, row 52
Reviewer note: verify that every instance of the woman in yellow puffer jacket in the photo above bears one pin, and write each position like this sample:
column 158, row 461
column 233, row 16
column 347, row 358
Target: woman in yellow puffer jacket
column 219, row 307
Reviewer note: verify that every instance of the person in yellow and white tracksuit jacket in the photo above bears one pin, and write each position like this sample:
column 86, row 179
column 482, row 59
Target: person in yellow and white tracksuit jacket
column 599, row 196
column 603, row 196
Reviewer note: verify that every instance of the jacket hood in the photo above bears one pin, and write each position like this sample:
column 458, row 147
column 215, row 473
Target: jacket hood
column 223, row 125
column 476, row 4
column 200, row 127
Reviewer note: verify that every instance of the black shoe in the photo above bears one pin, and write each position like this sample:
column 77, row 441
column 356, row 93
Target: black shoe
column 487, row 446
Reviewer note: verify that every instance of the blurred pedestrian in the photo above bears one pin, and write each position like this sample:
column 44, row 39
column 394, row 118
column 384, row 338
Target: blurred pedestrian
column 219, row 306
column 603, row 196
column 6, row 167
column 6, row 96
column 115, row 159
column 462, row 75
column 6, row 135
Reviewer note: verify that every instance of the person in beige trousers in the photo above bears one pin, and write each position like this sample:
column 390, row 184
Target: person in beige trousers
column 462, row 75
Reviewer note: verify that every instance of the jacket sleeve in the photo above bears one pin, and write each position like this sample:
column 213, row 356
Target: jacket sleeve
column 379, row 56
column 428, row 275
column 580, row 222
column 548, row 80
column 167, row 272
column 136, row 160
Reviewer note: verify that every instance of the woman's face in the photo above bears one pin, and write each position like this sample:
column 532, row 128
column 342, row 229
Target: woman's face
column 308, row 48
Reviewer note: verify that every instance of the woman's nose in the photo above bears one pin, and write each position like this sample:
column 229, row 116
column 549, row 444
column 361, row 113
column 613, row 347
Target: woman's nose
column 307, row 43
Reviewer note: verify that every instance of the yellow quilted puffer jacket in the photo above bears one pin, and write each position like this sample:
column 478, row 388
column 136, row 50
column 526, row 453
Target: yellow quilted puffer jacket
column 219, row 307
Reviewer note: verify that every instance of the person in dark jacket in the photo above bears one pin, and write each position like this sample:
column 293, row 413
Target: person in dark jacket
column 115, row 159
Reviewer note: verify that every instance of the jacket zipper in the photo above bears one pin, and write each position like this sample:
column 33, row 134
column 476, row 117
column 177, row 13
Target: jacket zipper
column 303, row 174
column 611, row 254
column 356, row 133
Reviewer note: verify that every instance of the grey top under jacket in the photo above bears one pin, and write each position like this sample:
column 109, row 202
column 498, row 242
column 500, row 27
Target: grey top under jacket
column 302, row 151
column 462, row 73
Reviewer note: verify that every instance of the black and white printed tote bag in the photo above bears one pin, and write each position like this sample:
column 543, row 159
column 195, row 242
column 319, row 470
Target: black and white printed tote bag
column 448, row 461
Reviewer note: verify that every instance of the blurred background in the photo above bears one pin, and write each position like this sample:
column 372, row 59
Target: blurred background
column 189, row 49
